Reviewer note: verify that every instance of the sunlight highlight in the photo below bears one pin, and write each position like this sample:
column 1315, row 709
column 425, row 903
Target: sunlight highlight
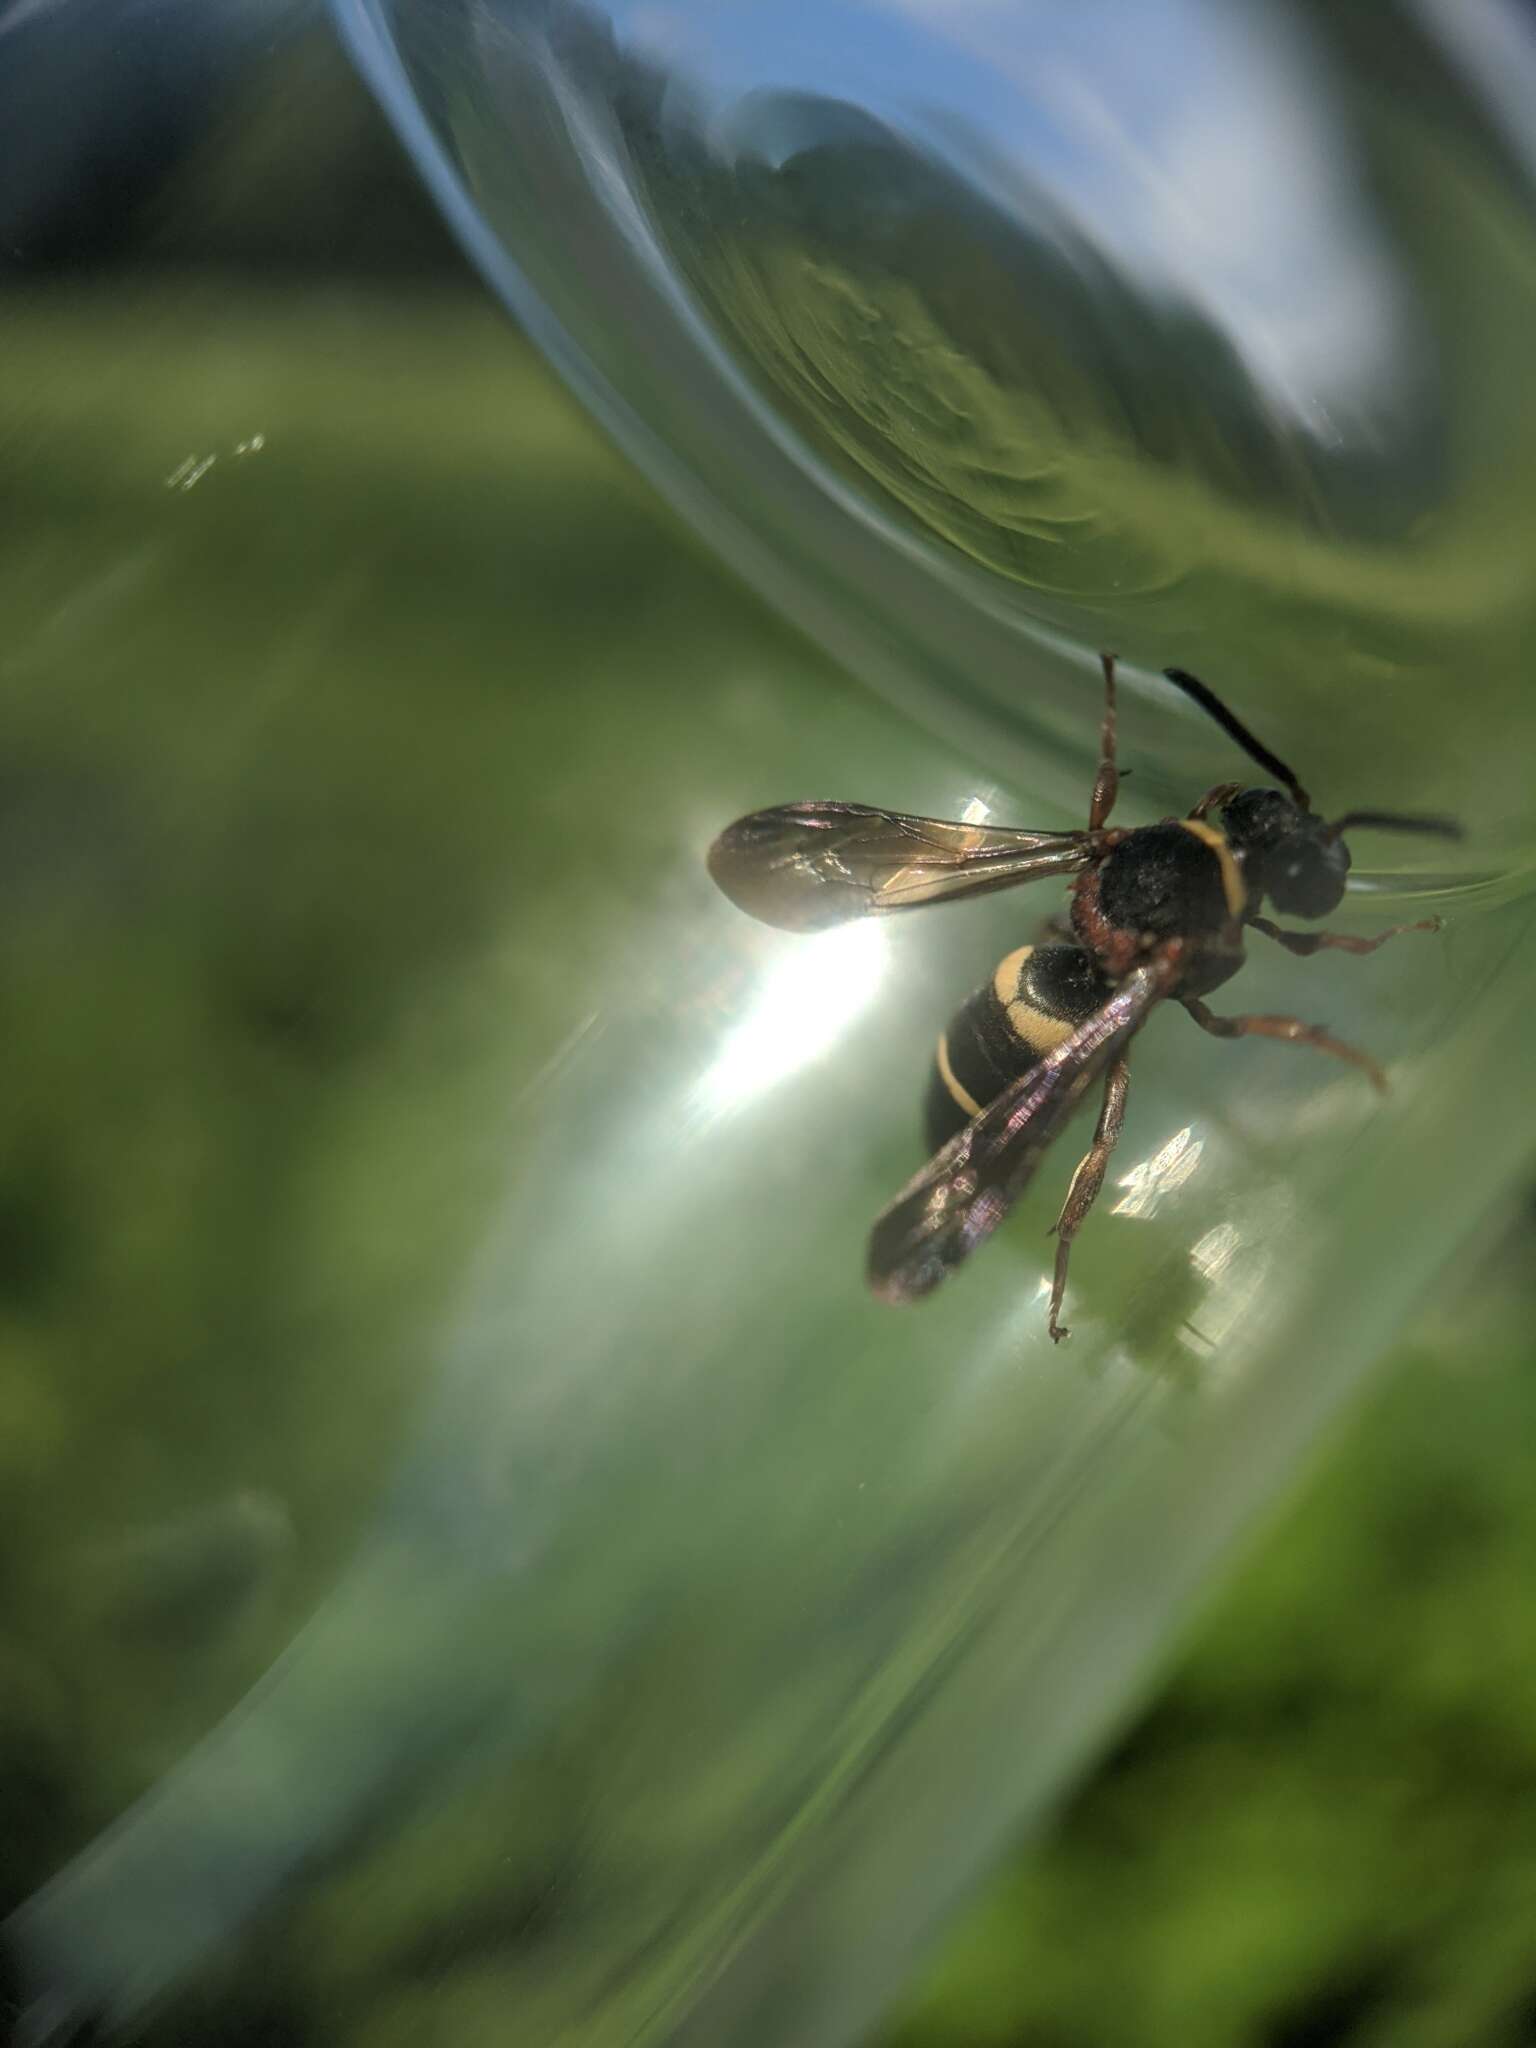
column 808, row 997
column 1213, row 1254
column 1163, row 1174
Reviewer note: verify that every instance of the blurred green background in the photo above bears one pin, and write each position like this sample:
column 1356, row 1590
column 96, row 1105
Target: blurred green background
column 1324, row 1828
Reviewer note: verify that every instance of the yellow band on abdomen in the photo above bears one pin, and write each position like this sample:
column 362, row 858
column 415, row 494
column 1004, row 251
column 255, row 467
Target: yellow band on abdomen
column 959, row 1094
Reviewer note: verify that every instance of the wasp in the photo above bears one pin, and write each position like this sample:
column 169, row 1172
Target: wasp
column 1156, row 913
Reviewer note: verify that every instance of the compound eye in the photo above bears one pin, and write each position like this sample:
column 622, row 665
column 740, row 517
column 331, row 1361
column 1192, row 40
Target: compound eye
column 1309, row 884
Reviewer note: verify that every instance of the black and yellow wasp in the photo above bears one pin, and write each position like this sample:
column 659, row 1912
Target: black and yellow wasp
column 1156, row 912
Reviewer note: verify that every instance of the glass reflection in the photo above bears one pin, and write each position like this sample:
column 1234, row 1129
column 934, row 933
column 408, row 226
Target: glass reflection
column 1163, row 1174
column 809, row 995
column 985, row 335
column 1185, row 141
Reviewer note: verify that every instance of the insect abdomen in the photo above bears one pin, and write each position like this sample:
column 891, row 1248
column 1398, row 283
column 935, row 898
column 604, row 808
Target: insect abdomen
column 1038, row 996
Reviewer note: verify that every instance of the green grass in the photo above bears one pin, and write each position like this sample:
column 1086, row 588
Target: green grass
column 1320, row 1831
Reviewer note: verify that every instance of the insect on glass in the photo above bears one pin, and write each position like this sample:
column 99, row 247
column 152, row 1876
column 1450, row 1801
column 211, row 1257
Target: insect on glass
column 1156, row 912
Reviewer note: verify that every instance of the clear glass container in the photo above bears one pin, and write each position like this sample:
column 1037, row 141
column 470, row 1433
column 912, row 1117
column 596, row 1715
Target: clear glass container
column 548, row 1599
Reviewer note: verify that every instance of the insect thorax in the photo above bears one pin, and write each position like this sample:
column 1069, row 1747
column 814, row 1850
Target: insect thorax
column 1169, row 881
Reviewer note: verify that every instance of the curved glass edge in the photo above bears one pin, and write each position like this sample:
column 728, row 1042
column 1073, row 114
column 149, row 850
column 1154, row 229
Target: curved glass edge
column 813, row 547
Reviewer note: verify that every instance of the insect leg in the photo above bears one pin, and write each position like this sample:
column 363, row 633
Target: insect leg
column 1223, row 793
column 1106, row 783
column 1086, row 1182
column 1307, row 943
column 1289, row 1028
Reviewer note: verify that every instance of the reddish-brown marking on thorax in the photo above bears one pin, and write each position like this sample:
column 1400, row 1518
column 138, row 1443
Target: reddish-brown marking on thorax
column 1116, row 951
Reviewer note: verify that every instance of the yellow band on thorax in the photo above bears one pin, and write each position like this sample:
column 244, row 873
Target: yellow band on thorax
column 1221, row 846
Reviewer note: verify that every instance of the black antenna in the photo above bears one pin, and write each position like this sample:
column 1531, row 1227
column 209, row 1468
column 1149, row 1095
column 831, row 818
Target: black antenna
column 1234, row 728
column 1394, row 821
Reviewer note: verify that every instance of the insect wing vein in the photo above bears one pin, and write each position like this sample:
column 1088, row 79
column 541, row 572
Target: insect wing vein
column 805, row 866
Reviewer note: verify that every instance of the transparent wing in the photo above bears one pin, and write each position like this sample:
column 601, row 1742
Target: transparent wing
column 966, row 1189
column 805, row 866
